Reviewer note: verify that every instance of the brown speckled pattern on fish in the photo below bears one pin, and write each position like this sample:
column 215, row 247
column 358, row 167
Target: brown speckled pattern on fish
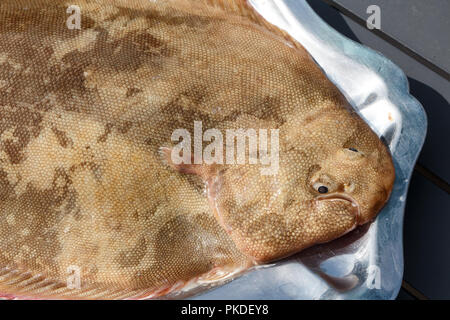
column 84, row 113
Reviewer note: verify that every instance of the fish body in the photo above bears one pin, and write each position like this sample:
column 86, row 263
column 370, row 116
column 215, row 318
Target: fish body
column 91, row 203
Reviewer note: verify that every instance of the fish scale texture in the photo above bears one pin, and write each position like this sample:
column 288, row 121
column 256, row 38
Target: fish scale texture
column 84, row 114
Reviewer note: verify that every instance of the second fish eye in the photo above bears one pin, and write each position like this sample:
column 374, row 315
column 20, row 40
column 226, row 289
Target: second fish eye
column 353, row 149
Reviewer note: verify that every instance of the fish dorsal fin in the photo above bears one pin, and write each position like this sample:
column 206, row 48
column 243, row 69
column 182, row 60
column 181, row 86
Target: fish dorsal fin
column 245, row 9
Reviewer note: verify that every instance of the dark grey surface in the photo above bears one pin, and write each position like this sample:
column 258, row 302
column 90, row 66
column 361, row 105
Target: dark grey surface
column 420, row 25
column 427, row 214
column 427, row 236
column 403, row 295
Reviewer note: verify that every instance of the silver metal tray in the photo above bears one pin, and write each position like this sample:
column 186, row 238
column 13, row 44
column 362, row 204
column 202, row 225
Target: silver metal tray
column 367, row 263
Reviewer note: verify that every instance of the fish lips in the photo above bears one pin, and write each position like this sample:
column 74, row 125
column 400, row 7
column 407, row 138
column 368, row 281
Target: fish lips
column 344, row 197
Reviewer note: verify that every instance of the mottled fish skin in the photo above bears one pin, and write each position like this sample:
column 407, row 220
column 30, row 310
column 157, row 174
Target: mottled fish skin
column 84, row 113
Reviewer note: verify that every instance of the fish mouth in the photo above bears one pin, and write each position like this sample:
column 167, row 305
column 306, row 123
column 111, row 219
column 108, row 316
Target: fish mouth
column 345, row 197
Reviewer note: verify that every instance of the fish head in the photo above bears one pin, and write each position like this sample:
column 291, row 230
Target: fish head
column 360, row 174
column 272, row 217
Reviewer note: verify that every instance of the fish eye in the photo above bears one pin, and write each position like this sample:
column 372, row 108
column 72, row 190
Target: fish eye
column 322, row 187
column 353, row 149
